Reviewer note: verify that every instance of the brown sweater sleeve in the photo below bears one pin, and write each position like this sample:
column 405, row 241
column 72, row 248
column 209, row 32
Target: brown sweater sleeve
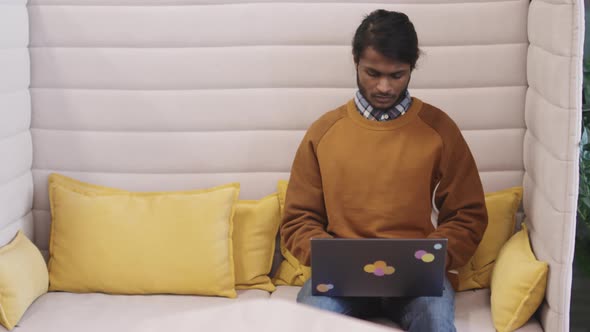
column 305, row 213
column 460, row 199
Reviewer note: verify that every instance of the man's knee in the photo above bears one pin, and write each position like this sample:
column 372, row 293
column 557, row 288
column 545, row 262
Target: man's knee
column 430, row 312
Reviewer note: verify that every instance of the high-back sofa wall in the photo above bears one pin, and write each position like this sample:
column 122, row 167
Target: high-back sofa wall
column 16, row 150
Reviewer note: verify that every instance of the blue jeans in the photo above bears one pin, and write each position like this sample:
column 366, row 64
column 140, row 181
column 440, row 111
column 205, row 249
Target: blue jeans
column 421, row 314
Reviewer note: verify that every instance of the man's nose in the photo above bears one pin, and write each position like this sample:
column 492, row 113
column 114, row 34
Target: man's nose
column 384, row 85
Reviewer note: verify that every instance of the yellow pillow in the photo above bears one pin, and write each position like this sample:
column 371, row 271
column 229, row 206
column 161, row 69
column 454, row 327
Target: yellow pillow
column 518, row 283
column 282, row 193
column 502, row 207
column 120, row 242
column 255, row 227
column 23, row 278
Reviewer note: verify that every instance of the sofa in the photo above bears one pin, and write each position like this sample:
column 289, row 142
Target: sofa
column 168, row 95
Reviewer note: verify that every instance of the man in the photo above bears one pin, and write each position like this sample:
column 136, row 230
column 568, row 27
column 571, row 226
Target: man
column 378, row 167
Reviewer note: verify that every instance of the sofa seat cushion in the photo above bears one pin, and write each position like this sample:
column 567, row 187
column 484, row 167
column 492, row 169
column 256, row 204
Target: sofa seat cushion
column 258, row 316
column 472, row 310
column 95, row 312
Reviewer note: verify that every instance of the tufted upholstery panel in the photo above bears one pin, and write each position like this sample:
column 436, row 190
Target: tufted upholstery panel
column 16, row 182
column 551, row 145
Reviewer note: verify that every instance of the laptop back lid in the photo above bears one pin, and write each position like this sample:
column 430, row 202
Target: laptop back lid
column 378, row 267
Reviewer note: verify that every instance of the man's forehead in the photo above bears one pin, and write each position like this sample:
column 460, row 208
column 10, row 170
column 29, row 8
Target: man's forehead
column 372, row 59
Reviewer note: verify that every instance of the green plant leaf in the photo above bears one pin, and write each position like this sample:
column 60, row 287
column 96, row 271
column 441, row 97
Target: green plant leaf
column 584, row 176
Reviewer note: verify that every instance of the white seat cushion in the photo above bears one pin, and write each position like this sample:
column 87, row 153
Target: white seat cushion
column 258, row 316
column 67, row 312
column 472, row 310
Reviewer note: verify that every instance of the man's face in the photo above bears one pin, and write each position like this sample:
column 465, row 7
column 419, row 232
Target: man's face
column 381, row 80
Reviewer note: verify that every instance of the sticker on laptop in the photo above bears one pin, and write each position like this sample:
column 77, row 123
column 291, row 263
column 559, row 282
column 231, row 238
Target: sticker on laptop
column 379, row 268
column 424, row 256
column 323, row 288
column 438, row 246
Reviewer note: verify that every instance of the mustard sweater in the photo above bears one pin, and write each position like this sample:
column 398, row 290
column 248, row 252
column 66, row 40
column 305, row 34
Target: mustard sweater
column 357, row 178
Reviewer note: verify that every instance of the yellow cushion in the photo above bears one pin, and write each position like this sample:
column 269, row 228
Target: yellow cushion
column 23, row 278
column 518, row 283
column 502, row 207
column 255, row 227
column 120, row 242
column 282, row 193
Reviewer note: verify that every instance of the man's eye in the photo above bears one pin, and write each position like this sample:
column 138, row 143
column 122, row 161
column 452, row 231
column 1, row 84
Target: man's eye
column 397, row 76
column 372, row 74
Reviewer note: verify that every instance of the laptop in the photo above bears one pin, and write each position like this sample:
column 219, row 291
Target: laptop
column 378, row 267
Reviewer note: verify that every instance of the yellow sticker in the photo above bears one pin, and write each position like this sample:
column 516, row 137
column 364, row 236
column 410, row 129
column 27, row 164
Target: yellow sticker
column 324, row 287
column 380, row 264
column 428, row 258
column 389, row 270
column 379, row 268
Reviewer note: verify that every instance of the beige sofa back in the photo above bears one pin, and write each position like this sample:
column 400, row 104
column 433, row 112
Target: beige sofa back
column 178, row 94
column 16, row 150
column 551, row 145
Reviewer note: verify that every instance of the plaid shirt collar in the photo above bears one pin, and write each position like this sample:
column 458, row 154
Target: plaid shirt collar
column 366, row 110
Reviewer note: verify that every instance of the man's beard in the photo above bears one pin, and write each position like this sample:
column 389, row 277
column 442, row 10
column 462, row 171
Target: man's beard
column 364, row 92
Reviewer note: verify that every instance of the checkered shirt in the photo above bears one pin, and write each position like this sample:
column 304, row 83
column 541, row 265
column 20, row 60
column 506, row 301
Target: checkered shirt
column 366, row 110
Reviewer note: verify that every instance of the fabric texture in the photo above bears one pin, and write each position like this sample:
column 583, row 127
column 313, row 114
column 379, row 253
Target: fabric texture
column 370, row 113
column 23, row 278
column 406, row 159
column 99, row 312
column 502, row 207
column 256, row 224
column 121, row 242
column 257, row 315
column 290, row 271
column 518, row 283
